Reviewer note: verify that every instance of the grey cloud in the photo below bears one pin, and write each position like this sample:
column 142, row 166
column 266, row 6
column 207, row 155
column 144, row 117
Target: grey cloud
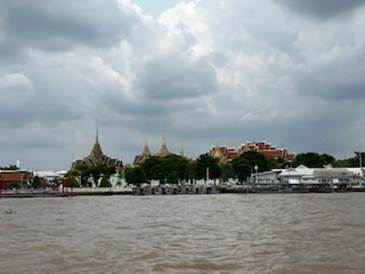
column 332, row 89
column 260, row 78
column 172, row 77
column 323, row 8
column 58, row 25
column 338, row 78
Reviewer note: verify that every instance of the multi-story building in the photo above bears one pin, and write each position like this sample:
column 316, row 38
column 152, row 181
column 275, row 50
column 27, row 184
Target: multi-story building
column 268, row 150
column 226, row 155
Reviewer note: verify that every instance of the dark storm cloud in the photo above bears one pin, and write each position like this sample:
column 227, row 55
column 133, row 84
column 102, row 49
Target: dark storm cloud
column 323, row 8
column 332, row 89
column 338, row 78
column 18, row 108
column 57, row 25
column 173, row 77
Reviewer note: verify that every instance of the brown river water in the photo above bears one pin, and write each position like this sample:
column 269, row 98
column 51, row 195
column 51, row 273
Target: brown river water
column 280, row 234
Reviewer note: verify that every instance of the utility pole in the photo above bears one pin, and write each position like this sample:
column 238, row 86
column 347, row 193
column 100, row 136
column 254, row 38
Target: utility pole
column 360, row 157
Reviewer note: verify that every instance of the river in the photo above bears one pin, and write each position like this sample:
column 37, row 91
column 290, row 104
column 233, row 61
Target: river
column 279, row 234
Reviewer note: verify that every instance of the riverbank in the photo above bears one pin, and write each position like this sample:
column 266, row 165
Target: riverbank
column 173, row 190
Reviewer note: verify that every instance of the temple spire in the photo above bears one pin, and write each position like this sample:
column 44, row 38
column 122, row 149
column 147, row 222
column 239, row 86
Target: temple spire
column 97, row 133
column 146, row 150
column 96, row 152
column 182, row 152
column 96, row 157
column 164, row 151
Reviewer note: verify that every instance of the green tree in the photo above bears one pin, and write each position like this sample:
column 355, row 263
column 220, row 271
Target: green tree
column 136, row 176
column 205, row 162
column 172, row 177
column 172, row 168
column 70, row 181
column 242, row 167
column 327, row 159
column 9, row 167
column 191, row 170
column 84, row 172
column 105, row 182
column 96, row 174
column 343, row 163
column 279, row 163
column 36, row 184
column 101, row 171
column 313, row 160
column 227, row 172
column 153, row 168
column 257, row 159
column 350, row 162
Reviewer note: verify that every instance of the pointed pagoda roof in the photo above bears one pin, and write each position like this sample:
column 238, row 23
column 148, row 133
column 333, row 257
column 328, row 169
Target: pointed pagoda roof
column 182, row 152
column 96, row 157
column 146, row 149
column 96, row 154
column 164, row 151
column 139, row 159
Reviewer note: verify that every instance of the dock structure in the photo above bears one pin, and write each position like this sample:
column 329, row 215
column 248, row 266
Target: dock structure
column 176, row 190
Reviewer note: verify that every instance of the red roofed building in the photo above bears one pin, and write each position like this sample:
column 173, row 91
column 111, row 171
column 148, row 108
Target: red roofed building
column 223, row 154
column 226, row 155
column 15, row 179
column 267, row 150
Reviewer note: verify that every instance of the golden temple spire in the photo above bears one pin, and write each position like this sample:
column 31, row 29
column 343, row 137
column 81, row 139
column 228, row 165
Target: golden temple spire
column 182, row 152
column 97, row 132
column 96, row 152
column 164, row 151
column 146, row 150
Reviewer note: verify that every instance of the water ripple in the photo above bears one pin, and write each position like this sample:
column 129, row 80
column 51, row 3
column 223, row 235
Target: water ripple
column 279, row 234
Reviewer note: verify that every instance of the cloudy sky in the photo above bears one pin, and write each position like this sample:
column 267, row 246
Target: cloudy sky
column 200, row 72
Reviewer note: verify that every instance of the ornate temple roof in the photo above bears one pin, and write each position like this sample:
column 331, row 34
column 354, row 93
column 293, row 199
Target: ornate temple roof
column 182, row 152
column 96, row 154
column 97, row 157
column 164, row 151
column 139, row 159
column 146, row 149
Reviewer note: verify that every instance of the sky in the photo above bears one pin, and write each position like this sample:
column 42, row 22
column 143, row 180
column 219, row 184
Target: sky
column 155, row 7
column 199, row 73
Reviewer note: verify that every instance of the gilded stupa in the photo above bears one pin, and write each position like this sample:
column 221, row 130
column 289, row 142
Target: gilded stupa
column 97, row 157
column 140, row 159
column 146, row 154
column 164, row 151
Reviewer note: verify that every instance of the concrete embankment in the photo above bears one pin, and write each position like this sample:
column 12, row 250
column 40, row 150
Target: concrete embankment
column 191, row 190
column 55, row 194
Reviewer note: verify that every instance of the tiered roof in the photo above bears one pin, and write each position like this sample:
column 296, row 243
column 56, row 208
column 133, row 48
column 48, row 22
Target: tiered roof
column 97, row 157
column 164, row 151
column 226, row 155
column 139, row 159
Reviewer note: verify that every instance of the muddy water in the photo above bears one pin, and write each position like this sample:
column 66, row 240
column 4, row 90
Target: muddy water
column 280, row 234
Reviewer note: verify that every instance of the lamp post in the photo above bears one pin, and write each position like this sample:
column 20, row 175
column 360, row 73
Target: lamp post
column 360, row 152
column 256, row 169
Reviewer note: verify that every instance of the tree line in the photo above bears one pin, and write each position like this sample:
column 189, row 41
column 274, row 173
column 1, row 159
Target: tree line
column 174, row 168
column 85, row 173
